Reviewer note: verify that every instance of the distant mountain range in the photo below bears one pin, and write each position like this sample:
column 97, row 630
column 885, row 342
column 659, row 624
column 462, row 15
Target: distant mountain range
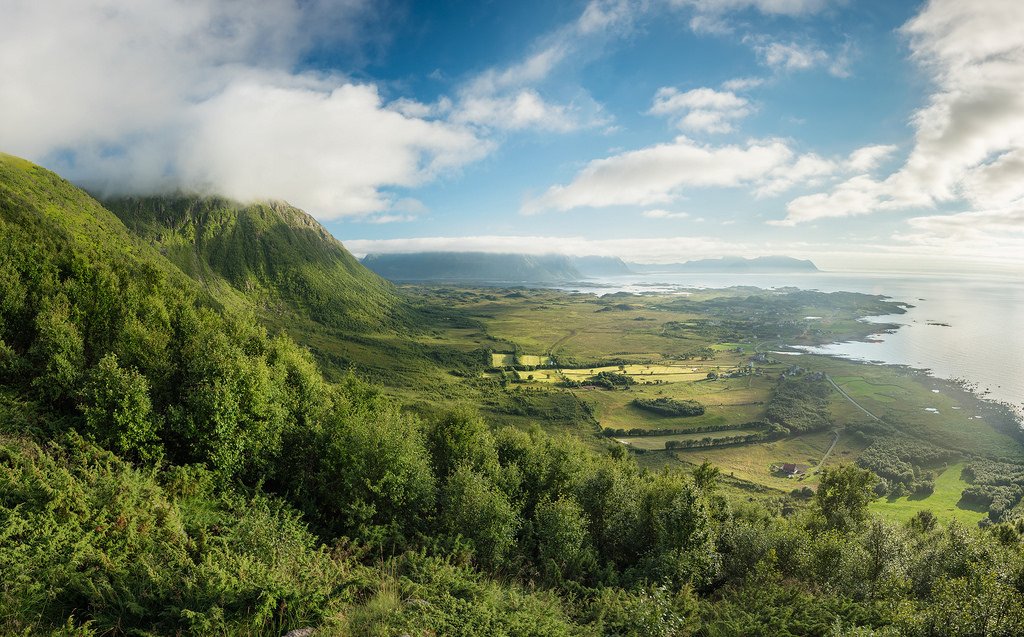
column 553, row 268
column 490, row 267
column 733, row 265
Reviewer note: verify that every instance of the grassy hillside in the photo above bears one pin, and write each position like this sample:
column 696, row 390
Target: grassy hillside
column 269, row 253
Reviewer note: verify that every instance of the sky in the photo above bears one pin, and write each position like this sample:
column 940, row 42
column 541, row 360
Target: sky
column 863, row 134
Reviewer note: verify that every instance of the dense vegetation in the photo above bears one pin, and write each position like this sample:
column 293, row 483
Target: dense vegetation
column 800, row 405
column 902, row 462
column 167, row 466
column 665, row 406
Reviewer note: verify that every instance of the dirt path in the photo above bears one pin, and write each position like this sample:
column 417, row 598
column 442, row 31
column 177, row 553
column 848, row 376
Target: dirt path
column 828, row 452
column 854, row 402
column 561, row 341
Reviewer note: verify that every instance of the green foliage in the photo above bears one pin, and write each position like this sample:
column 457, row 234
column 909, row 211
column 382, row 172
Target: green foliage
column 475, row 509
column 563, row 543
column 843, row 496
column 89, row 540
column 268, row 252
column 361, row 470
column 666, row 406
column 800, row 405
column 161, row 456
column 610, row 380
column 118, row 412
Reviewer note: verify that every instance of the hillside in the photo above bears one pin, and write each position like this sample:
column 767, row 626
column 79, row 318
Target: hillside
column 168, row 467
column 733, row 265
column 269, row 253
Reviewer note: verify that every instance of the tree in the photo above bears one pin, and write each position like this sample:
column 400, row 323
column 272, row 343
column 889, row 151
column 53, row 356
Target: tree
column 58, row 350
column 474, row 509
column 461, row 437
column 118, row 413
column 705, row 476
column 563, row 544
column 843, row 496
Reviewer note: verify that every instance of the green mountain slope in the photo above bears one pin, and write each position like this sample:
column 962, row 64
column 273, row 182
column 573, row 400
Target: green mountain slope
column 269, row 253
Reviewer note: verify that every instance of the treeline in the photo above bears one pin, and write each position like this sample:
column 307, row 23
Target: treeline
column 720, row 441
column 637, row 431
column 605, row 380
column 665, row 406
column 800, row 405
column 902, row 462
column 996, row 485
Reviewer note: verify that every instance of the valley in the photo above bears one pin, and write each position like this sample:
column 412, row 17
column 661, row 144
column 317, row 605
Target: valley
column 727, row 350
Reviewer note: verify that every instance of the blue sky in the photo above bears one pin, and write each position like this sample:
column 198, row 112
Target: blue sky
column 867, row 134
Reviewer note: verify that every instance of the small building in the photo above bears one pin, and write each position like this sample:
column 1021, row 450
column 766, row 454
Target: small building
column 791, row 470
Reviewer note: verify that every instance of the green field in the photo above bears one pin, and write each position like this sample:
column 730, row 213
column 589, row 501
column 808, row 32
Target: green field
column 509, row 360
column 944, row 502
column 752, row 463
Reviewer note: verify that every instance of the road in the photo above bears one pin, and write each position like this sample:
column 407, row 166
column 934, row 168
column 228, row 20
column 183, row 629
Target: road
column 835, row 440
column 854, row 402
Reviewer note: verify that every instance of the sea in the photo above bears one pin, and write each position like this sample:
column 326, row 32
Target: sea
column 967, row 328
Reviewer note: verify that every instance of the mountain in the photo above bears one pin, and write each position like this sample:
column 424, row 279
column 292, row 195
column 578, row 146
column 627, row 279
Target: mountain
column 732, row 265
column 600, row 266
column 489, row 267
column 473, row 266
column 268, row 253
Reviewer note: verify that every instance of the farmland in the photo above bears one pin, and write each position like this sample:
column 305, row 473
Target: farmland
column 579, row 363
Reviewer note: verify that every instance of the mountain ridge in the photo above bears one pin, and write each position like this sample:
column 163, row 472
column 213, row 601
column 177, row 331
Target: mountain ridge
column 732, row 264
column 268, row 252
column 491, row 267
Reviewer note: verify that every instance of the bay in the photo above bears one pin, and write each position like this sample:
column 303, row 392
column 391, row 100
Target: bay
column 960, row 327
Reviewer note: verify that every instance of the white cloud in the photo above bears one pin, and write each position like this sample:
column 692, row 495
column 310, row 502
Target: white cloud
column 525, row 109
column 807, row 168
column 296, row 142
column 868, row 158
column 659, row 213
column 769, row 7
column 709, row 16
column 510, row 97
column 155, row 94
column 701, row 109
column 742, row 83
column 658, row 174
column 791, row 56
column 970, row 135
column 813, row 170
column 996, row 233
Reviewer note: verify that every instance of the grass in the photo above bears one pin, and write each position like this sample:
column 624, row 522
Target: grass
column 901, row 397
column 944, row 502
column 752, row 463
column 732, row 401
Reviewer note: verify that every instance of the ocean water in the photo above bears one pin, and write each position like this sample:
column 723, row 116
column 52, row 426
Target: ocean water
column 960, row 327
